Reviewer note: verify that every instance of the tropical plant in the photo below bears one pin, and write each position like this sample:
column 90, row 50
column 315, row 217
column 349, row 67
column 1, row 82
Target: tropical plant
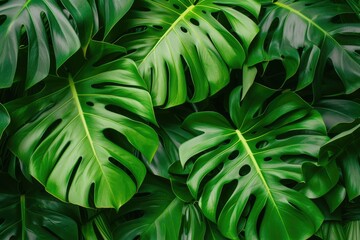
column 179, row 119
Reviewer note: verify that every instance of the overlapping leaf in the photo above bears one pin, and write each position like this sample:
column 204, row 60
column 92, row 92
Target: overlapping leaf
column 155, row 213
column 77, row 135
column 172, row 39
column 246, row 174
column 34, row 214
column 32, row 23
column 312, row 38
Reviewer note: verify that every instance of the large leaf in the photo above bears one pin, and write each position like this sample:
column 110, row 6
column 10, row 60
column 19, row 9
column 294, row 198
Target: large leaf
column 34, row 214
column 344, row 148
column 33, row 23
column 172, row 39
column 308, row 37
column 77, row 134
column 155, row 213
column 247, row 172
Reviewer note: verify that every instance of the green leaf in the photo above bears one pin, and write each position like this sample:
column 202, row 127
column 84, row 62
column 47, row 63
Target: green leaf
column 337, row 111
column 255, row 164
column 155, row 213
column 307, row 37
column 332, row 230
column 183, row 49
column 78, row 134
column 110, row 12
column 42, row 27
column 4, row 119
column 344, row 148
column 34, row 214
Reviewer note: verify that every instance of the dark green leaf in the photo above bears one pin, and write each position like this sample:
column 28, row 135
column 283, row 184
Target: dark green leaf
column 308, row 39
column 182, row 48
column 78, row 134
column 255, row 164
column 4, row 119
column 34, row 215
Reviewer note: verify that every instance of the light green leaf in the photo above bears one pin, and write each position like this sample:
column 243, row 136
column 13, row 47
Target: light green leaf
column 183, row 49
column 309, row 40
column 255, row 164
column 79, row 133
column 33, row 23
column 34, row 214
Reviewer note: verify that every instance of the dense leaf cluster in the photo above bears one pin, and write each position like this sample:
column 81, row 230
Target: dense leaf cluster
column 179, row 119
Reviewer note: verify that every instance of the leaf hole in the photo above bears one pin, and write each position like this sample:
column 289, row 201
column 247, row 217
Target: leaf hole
column 137, row 29
column 49, row 130
column 72, row 176
column 226, row 192
column 136, row 214
column 267, row 159
column 123, row 112
column 184, row 30
column 244, row 170
column 226, row 142
column 203, row 11
column 234, row 155
column 91, row 104
column 194, row 21
column 158, row 27
column 289, row 183
column 123, row 168
column 262, row 144
column 176, row 6
column 273, row 27
column 91, row 198
column 254, row 132
column 2, row 19
column 294, row 206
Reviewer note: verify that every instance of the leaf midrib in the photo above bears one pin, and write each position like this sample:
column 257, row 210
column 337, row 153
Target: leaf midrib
column 87, row 132
column 171, row 28
column 258, row 171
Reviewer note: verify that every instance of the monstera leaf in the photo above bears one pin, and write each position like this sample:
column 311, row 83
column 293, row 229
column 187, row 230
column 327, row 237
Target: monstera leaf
column 184, row 48
column 32, row 24
column 34, row 214
column 312, row 38
column 245, row 171
column 155, row 213
column 77, row 135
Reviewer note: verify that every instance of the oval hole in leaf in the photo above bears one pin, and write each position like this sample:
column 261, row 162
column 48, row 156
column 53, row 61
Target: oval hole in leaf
column 261, row 144
column 176, row 6
column 158, row 27
column 184, row 30
column 267, row 159
column 289, row 183
column 134, row 215
column 233, row 155
column 2, row 19
column 49, row 130
column 72, row 176
column 244, row 170
column 194, row 21
column 91, row 104
column 226, row 192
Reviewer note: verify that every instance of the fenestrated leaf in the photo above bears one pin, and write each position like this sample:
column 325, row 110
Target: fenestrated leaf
column 34, row 214
column 344, row 148
column 308, row 38
column 32, row 23
column 172, row 39
column 4, row 119
column 256, row 164
column 155, row 213
column 77, row 134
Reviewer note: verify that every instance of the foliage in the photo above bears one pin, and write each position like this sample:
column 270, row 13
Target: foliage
column 179, row 119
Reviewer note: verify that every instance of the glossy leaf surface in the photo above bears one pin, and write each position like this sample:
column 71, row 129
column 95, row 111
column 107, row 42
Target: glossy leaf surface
column 27, row 24
column 77, row 135
column 246, row 173
column 308, row 37
column 183, row 50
